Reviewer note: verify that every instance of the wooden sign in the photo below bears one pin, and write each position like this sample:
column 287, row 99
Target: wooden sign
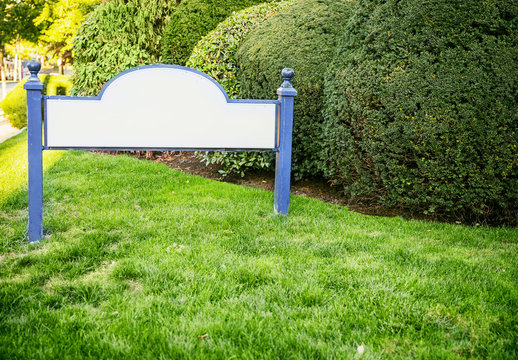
column 160, row 107
column 157, row 107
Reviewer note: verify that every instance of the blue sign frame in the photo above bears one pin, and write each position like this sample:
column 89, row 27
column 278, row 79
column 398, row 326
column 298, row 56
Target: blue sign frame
column 35, row 102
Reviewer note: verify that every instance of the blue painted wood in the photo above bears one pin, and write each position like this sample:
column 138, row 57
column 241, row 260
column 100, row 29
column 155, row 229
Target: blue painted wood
column 283, row 157
column 152, row 149
column 34, row 88
column 44, row 123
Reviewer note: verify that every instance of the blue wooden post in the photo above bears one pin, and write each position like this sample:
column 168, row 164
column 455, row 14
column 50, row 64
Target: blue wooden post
column 34, row 88
column 283, row 159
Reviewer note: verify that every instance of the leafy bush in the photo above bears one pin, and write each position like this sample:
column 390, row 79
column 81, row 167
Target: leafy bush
column 57, row 84
column 215, row 55
column 303, row 37
column 237, row 162
column 15, row 103
column 193, row 20
column 118, row 35
column 14, row 106
column 421, row 108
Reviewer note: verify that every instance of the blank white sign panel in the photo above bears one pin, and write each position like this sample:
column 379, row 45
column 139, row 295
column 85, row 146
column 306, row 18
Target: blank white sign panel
column 160, row 108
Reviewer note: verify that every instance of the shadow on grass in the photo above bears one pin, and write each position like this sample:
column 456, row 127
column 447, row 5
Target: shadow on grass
column 14, row 192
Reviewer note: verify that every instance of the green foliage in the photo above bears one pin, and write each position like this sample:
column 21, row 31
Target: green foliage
column 118, row 35
column 57, row 85
column 61, row 19
column 302, row 37
column 23, row 48
column 237, row 162
column 15, row 103
column 193, row 20
column 14, row 106
column 421, row 107
column 215, row 55
column 16, row 20
column 16, row 24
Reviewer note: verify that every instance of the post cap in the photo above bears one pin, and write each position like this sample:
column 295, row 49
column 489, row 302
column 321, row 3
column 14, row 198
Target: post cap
column 286, row 88
column 33, row 83
column 34, row 67
column 287, row 74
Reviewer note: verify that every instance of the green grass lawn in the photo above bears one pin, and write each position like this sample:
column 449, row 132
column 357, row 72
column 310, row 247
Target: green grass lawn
column 141, row 261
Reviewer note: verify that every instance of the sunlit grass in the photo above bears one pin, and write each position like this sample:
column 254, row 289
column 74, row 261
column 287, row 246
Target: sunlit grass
column 13, row 164
column 142, row 261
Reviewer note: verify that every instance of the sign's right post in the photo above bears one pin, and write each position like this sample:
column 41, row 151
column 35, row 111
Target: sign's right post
column 285, row 132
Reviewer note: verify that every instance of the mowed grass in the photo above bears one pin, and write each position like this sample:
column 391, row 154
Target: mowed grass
column 144, row 262
column 13, row 164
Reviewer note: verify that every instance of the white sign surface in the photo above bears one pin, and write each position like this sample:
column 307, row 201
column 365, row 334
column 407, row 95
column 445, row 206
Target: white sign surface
column 160, row 107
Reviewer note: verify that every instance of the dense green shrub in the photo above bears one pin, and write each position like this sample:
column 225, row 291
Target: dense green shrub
column 193, row 20
column 15, row 103
column 118, row 35
column 14, row 106
column 215, row 55
column 302, row 37
column 421, row 107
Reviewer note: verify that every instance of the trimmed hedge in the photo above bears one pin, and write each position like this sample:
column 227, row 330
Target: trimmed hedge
column 421, row 107
column 302, row 37
column 118, row 35
column 193, row 20
column 15, row 103
column 215, row 55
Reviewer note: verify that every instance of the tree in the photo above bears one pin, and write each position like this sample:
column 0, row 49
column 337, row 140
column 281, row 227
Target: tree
column 16, row 23
column 118, row 35
column 60, row 20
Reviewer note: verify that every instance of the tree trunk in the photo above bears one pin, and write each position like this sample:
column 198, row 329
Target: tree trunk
column 16, row 72
column 20, row 69
column 2, row 75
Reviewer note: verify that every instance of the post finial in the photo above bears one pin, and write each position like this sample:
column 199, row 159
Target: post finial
column 34, row 67
column 287, row 74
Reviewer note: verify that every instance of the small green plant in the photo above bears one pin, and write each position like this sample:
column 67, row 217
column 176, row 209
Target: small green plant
column 237, row 162
column 15, row 103
column 215, row 55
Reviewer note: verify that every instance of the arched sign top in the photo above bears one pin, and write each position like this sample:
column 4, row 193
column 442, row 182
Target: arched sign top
column 168, row 71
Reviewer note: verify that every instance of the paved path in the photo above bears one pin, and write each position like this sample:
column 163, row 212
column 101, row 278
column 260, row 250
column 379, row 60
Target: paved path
column 6, row 130
column 9, row 86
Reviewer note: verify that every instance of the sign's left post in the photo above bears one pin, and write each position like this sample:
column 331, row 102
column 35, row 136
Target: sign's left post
column 34, row 89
